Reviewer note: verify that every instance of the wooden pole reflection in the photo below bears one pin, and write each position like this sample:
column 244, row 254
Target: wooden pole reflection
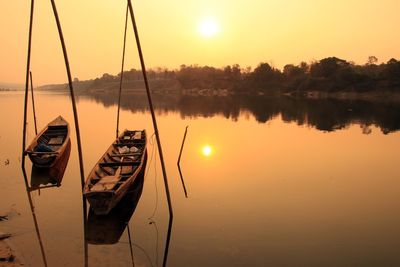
column 167, row 242
column 179, row 162
column 130, row 244
column 85, row 243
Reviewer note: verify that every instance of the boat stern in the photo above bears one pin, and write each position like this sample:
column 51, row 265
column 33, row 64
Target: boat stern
column 101, row 202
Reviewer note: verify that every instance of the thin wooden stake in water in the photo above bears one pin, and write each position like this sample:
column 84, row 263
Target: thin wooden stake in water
column 179, row 161
column 71, row 89
column 122, row 71
column 153, row 116
column 33, row 103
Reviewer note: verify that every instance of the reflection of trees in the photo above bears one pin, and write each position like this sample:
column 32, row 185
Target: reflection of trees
column 323, row 114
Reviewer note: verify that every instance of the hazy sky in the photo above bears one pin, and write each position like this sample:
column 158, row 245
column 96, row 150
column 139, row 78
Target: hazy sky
column 249, row 32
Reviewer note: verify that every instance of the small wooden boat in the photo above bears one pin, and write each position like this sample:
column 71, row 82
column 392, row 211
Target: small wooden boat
column 50, row 177
column 116, row 171
column 50, row 144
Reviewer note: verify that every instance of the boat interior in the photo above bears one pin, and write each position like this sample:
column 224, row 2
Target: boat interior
column 53, row 137
column 119, row 163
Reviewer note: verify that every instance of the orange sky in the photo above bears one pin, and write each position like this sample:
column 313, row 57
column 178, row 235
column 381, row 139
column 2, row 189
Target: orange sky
column 252, row 31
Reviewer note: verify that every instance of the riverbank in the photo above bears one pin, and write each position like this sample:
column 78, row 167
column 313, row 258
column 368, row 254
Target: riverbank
column 8, row 256
column 371, row 96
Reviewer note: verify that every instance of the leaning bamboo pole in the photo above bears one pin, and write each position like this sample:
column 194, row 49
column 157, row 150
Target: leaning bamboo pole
column 78, row 138
column 33, row 102
column 122, row 71
column 28, row 65
column 153, row 116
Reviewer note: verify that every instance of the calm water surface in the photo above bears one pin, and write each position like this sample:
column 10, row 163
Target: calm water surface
column 279, row 193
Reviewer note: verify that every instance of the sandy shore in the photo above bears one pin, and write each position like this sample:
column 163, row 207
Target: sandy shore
column 7, row 254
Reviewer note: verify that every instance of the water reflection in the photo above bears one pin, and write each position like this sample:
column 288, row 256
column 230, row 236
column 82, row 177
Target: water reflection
column 108, row 229
column 305, row 193
column 324, row 114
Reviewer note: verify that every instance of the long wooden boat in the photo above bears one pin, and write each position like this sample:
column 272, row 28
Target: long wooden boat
column 50, row 144
column 116, row 171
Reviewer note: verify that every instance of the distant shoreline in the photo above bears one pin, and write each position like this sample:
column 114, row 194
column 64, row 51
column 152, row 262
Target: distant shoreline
column 370, row 96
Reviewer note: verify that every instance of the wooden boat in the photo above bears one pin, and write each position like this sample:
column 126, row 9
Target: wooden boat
column 50, row 144
column 50, row 177
column 108, row 229
column 116, row 171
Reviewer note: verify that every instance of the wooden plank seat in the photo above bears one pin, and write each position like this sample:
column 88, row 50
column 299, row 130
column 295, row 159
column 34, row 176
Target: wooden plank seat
column 55, row 134
column 41, row 153
column 103, row 169
column 124, row 155
column 107, row 183
column 57, row 140
column 116, row 164
column 129, row 144
column 42, row 139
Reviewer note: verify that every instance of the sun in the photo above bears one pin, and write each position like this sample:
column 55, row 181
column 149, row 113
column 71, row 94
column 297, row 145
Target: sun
column 208, row 27
column 207, row 150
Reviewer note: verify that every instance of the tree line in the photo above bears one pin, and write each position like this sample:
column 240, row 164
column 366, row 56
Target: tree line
column 330, row 74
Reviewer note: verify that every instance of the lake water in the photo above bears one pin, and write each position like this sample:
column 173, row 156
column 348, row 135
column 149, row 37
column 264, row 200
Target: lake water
column 281, row 183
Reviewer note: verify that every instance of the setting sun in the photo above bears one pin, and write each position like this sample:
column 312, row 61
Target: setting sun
column 208, row 27
column 207, row 150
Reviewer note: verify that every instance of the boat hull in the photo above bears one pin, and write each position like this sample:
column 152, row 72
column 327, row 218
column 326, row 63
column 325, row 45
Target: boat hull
column 55, row 137
column 54, row 175
column 102, row 201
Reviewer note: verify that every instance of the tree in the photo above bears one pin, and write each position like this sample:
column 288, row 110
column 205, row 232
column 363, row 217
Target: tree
column 372, row 60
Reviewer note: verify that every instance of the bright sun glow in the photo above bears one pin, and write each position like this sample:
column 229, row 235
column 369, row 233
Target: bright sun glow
column 207, row 150
column 208, row 27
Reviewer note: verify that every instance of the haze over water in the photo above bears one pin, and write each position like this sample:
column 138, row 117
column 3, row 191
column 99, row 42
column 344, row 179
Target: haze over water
column 268, row 192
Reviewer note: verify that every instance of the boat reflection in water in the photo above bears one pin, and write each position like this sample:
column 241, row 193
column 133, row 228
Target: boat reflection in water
column 108, row 229
column 50, row 177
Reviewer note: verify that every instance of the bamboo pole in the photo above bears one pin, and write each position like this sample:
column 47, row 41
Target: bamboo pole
column 78, row 138
column 24, row 134
column 28, row 65
column 122, row 71
column 153, row 116
column 33, row 103
column 71, row 89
